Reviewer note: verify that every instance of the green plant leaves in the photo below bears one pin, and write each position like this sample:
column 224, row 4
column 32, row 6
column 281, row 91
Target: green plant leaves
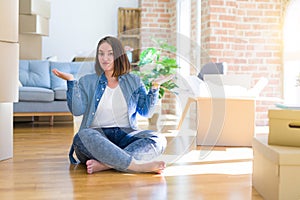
column 152, row 65
column 149, row 55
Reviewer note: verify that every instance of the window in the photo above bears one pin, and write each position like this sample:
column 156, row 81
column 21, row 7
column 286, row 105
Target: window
column 183, row 36
column 188, row 35
column 291, row 57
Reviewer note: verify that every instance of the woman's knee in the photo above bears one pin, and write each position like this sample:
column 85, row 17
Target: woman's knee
column 84, row 135
column 81, row 151
column 159, row 141
column 76, row 140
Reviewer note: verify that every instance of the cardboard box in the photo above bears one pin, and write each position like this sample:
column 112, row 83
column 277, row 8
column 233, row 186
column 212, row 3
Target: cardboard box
column 34, row 24
column 225, row 109
column 225, row 121
column 6, row 131
column 276, row 170
column 35, row 7
column 9, row 70
column 9, row 20
column 284, row 126
column 30, row 47
column 227, row 116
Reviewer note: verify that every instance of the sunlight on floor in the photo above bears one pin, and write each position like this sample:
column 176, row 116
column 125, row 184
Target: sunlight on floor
column 217, row 155
column 237, row 168
column 231, row 161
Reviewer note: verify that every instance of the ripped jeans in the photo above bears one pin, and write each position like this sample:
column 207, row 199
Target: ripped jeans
column 116, row 147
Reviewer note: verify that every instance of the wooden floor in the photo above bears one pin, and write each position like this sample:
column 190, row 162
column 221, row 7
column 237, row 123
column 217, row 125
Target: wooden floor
column 40, row 169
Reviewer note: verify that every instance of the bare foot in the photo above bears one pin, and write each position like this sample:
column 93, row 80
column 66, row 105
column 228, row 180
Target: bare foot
column 154, row 166
column 93, row 166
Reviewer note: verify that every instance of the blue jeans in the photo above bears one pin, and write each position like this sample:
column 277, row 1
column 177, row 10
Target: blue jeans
column 117, row 147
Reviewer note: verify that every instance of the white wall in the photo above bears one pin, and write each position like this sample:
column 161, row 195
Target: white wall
column 77, row 25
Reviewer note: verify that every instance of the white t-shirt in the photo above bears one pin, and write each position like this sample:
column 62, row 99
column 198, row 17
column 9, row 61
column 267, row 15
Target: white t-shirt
column 112, row 110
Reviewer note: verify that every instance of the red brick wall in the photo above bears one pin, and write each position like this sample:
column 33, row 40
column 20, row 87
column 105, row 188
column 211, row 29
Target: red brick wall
column 156, row 20
column 245, row 34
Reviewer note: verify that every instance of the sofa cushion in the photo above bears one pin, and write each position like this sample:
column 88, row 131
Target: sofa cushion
column 34, row 73
column 75, row 68
column 35, row 94
column 60, row 93
column 40, row 107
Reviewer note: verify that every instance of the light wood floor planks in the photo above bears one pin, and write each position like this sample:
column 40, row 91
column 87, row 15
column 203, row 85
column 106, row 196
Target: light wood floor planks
column 40, row 170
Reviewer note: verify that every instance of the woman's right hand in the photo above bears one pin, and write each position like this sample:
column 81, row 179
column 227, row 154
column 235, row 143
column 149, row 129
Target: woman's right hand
column 63, row 75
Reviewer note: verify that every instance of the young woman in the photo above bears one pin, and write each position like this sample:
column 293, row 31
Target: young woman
column 109, row 101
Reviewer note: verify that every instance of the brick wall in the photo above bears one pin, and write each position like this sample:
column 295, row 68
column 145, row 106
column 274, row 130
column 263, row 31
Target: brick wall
column 155, row 20
column 245, row 34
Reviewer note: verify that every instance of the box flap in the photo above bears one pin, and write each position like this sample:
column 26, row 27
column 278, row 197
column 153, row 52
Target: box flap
column 234, row 85
column 282, row 155
column 284, row 114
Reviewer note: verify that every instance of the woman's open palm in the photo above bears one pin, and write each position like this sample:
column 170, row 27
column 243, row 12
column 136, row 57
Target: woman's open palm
column 63, row 75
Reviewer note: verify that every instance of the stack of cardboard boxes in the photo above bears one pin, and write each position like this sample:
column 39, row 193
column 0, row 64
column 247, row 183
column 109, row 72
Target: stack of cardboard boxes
column 9, row 57
column 34, row 18
column 276, row 163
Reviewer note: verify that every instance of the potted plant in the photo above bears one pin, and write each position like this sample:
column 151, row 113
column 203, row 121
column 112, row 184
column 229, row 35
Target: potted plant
column 155, row 62
column 128, row 51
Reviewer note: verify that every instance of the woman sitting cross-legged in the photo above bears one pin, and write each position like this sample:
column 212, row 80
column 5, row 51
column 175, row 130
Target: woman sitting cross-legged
column 109, row 101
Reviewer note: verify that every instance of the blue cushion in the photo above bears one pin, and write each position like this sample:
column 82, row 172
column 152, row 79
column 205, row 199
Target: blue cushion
column 75, row 68
column 53, row 106
column 35, row 94
column 60, row 93
column 34, row 73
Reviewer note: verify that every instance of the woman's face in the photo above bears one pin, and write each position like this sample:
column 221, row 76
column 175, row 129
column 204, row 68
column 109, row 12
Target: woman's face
column 106, row 57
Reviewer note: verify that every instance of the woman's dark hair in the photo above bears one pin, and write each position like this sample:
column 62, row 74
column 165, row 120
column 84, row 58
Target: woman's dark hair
column 121, row 62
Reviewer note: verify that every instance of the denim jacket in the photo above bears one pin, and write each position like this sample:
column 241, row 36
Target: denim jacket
column 83, row 97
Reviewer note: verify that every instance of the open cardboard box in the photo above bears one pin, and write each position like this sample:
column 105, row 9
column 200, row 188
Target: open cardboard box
column 225, row 110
